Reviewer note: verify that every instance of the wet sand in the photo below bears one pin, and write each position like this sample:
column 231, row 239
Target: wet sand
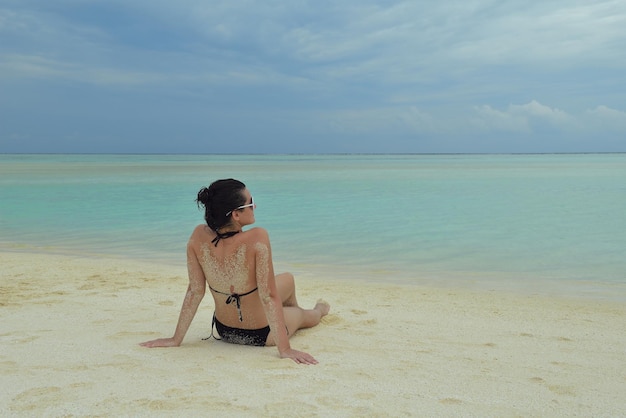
column 70, row 330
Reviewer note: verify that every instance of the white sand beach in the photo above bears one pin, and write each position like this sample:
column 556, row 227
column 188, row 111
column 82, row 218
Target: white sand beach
column 70, row 329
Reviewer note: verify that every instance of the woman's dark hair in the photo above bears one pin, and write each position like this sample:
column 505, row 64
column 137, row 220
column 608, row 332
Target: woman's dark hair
column 221, row 197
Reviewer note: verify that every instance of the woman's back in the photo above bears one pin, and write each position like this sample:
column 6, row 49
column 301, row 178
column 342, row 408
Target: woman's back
column 230, row 269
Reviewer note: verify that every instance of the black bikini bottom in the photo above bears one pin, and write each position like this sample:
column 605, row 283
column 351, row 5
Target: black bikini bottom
column 256, row 337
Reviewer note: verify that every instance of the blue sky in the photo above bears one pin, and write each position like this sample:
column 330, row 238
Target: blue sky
column 201, row 76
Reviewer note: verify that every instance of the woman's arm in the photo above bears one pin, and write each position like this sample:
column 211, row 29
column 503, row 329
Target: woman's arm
column 193, row 297
column 266, row 282
column 272, row 303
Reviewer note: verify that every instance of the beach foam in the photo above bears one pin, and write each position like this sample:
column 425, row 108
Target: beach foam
column 71, row 326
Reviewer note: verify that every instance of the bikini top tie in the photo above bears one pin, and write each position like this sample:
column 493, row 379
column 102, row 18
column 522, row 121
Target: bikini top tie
column 234, row 297
column 219, row 236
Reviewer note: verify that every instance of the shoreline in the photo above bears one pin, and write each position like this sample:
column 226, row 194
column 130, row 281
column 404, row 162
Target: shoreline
column 520, row 284
column 72, row 324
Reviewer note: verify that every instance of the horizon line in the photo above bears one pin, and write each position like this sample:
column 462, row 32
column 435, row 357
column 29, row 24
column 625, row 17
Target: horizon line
column 317, row 153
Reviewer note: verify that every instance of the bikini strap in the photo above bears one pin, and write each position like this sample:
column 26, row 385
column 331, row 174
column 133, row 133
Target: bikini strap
column 234, row 297
column 212, row 329
column 219, row 236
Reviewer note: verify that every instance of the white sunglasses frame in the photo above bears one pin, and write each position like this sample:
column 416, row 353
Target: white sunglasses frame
column 249, row 205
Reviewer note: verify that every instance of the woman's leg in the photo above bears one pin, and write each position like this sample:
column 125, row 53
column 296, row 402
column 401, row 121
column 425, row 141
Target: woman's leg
column 297, row 318
column 286, row 286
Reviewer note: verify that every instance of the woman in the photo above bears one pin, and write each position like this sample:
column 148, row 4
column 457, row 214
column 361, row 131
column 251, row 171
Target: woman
column 252, row 306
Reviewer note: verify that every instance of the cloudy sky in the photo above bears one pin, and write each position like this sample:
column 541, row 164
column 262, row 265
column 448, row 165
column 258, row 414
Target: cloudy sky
column 299, row 76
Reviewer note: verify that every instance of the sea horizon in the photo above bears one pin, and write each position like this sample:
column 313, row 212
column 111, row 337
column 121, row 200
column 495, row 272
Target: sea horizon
column 316, row 153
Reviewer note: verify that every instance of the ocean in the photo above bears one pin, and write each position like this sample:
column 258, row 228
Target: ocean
column 540, row 223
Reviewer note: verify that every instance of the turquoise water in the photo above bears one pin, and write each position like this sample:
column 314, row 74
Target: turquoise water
column 536, row 221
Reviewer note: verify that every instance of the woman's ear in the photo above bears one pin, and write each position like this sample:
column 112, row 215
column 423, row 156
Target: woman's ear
column 235, row 216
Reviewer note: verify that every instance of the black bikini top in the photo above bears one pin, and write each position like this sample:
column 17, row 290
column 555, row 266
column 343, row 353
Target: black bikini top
column 234, row 297
column 219, row 236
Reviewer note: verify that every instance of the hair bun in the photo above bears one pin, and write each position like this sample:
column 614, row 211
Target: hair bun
column 204, row 196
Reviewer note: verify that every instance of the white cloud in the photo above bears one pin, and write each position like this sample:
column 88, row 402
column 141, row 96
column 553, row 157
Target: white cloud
column 535, row 110
column 555, row 33
column 534, row 117
column 487, row 118
column 528, row 117
column 381, row 120
column 40, row 67
column 605, row 118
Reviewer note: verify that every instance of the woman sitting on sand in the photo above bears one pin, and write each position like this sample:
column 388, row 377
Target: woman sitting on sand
column 252, row 306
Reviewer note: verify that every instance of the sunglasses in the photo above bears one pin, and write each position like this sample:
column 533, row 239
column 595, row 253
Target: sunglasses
column 249, row 205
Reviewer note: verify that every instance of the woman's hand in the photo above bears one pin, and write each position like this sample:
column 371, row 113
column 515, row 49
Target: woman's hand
column 298, row 356
column 161, row 342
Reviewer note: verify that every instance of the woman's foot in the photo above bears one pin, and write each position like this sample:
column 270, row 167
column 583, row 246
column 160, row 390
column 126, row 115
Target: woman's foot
column 323, row 307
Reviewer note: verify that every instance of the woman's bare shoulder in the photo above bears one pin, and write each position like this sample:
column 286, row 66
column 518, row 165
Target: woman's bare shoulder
column 258, row 234
column 199, row 232
column 200, row 229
